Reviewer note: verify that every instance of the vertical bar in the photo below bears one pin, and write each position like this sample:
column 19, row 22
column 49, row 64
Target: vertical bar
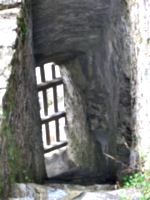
column 47, row 134
column 55, row 99
column 65, row 121
column 55, row 104
column 57, row 130
column 53, row 71
column 54, row 90
column 44, row 91
column 45, row 105
column 64, row 104
column 42, row 73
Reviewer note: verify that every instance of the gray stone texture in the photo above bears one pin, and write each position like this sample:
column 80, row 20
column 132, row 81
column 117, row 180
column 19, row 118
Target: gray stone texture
column 21, row 149
column 68, row 192
column 8, row 23
column 90, row 41
column 102, row 48
column 140, row 80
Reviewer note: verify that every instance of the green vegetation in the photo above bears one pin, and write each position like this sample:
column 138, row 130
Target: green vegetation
column 22, row 25
column 26, row 178
column 141, row 181
column 23, row 28
column 11, row 163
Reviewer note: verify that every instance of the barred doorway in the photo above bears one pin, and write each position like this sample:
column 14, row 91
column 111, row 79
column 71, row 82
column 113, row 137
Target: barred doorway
column 52, row 110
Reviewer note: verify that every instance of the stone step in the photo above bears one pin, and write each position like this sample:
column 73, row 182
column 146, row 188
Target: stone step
column 69, row 192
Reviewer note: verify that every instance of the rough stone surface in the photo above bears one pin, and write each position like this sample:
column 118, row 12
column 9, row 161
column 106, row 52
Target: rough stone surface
column 57, row 162
column 103, row 51
column 21, row 149
column 90, row 42
column 140, row 78
column 67, row 192
column 8, row 23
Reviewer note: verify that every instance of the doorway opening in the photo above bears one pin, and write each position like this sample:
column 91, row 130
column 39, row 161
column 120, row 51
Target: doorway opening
column 53, row 117
column 52, row 110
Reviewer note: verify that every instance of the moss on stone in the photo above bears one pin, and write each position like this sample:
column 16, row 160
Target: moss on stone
column 12, row 166
column 82, row 151
column 23, row 28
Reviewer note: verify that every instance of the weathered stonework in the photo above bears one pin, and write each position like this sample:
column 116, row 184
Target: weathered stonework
column 8, row 23
column 103, row 52
column 140, row 79
column 77, row 192
column 91, row 43
column 21, row 149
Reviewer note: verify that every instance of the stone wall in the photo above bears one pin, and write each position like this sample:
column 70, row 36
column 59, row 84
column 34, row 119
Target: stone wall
column 21, row 148
column 92, row 46
column 8, row 24
column 140, row 78
column 103, row 52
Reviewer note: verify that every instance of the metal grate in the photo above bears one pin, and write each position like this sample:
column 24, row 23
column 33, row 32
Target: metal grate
column 52, row 83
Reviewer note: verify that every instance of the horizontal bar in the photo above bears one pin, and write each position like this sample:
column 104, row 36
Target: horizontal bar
column 49, row 84
column 55, row 116
column 56, row 146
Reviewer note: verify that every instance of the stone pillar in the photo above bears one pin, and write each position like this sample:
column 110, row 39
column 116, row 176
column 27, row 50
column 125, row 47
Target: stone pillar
column 140, row 82
column 90, row 111
column 21, row 148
